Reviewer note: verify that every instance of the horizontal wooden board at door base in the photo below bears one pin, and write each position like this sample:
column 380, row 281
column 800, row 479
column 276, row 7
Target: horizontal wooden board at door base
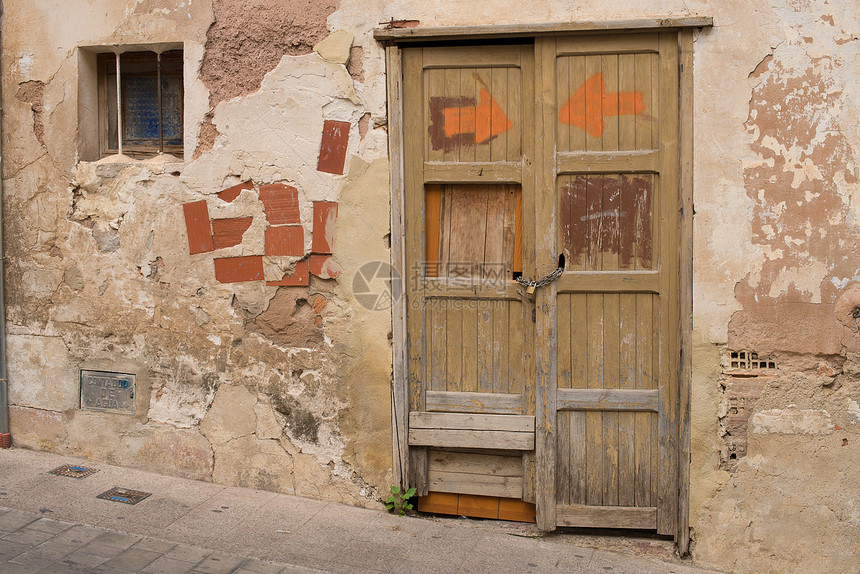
column 465, row 483
column 471, row 421
column 607, row 399
column 487, row 439
column 642, row 518
column 476, row 506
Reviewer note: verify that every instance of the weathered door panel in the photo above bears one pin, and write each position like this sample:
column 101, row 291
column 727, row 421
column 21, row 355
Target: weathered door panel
column 613, row 413
column 466, row 193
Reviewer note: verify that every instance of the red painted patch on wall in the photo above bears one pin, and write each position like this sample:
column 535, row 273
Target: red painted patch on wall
column 197, row 226
column 228, row 232
column 325, row 218
column 285, row 240
column 324, row 267
column 236, row 269
column 298, row 278
column 232, row 193
column 333, row 147
column 281, row 203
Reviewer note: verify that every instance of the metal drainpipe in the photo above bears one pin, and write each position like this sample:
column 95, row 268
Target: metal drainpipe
column 5, row 435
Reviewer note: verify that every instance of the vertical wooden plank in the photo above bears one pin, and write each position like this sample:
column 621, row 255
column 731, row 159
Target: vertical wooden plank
column 500, row 369
column 576, row 79
column 494, row 244
column 446, row 208
column 468, row 122
column 485, row 344
column 518, row 375
column 515, row 110
column 562, row 96
column 519, row 246
column 400, row 388
column 468, row 231
column 667, row 508
column 611, row 347
column 593, row 221
column 594, row 420
column 470, row 346
column 454, row 353
column 609, row 66
column 609, row 233
column 434, row 80
column 644, row 380
column 413, row 96
column 521, row 312
column 499, row 91
column 579, row 380
column 509, row 233
column 546, row 252
column 643, row 185
column 594, row 103
column 642, row 82
column 432, row 212
column 438, row 344
column 452, row 94
column 566, row 226
column 483, row 83
column 626, row 380
column 626, row 223
column 685, row 291
column 563, row 437
column 627, row 83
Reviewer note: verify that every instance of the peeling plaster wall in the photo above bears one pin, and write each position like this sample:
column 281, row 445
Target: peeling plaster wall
column 287, row 387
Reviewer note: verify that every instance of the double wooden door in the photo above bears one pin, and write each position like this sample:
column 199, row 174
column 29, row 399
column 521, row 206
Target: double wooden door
column 517, row 159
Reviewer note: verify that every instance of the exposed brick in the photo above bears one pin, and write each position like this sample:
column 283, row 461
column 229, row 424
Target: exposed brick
column 333, row 147
column 197, row 226
column 228, row 232
column 285, row 240
column 232, row 193
column 281, row 203
column 324, row 267
column 299, row 277
column 235, row 269
column 325, row 218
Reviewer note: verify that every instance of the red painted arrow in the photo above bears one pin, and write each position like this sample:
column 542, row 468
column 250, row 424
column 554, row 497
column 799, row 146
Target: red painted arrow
column 590, row 103
column 486, row 120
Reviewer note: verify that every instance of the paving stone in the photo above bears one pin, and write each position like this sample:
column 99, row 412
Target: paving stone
column 84, row 559
column 78, row 534
column 188, row 554
column 260, row 567
column 219, row 564
column 28, row 536
column 155, row 545
column 9, row 549
column 98, row 549
column 133, row 559
column 118, row 539
column 12, row 568
column 13, row 520
column 166, row 565
column 49, row 525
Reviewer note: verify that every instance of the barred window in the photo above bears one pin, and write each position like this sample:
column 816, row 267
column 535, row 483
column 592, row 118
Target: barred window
column 140, row 103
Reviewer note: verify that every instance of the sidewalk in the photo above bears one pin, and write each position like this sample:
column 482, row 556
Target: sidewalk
column 56, row 524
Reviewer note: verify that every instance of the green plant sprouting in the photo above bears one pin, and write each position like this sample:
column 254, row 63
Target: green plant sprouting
column 398, row 502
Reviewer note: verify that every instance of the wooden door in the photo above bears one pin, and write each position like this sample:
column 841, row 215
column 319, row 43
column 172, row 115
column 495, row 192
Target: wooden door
column 608, row 393
column 514, row 155
column 468, row 204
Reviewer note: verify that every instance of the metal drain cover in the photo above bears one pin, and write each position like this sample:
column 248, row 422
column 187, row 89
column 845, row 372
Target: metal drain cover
column 73, row 471
column 124, row 495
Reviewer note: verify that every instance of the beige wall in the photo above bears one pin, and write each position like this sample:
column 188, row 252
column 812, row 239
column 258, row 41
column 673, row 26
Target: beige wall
column 99, row 274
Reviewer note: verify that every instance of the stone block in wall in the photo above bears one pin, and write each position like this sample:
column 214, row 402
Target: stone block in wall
column 197, row 227
column 228, row 232
column 300, row 277
column 237, row 269
column 285, row 240
column 333, row 147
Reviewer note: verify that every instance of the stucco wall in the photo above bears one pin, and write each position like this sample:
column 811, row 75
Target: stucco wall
column 287, row 388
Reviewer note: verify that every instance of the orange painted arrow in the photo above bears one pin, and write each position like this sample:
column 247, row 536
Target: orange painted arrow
column 486, row 120
column 590, row 104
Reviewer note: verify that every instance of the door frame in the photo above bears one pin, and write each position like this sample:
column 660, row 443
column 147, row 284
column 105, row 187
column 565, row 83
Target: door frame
column 394, row 38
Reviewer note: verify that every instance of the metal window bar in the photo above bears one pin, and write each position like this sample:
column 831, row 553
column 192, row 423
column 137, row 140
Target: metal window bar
column 118, row 105
column 160, row 118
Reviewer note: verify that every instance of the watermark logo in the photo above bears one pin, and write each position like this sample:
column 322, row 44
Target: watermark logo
column 376, row 285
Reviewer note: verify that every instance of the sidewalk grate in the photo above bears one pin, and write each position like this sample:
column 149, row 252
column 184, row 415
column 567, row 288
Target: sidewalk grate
column 124, row 495
column 73, row 471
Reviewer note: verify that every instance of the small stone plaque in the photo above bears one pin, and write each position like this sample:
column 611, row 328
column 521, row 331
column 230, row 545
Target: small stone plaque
column 124, row 495
column 106, row 391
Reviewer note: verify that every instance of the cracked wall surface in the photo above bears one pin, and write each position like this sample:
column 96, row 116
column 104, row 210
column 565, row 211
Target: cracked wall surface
column 286, row 387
